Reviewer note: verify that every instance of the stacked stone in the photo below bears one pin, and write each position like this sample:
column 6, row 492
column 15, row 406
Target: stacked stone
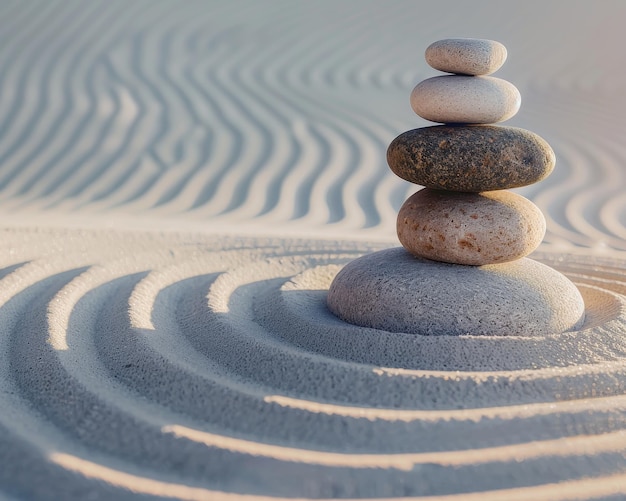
column 464, row 215
column 465, row 272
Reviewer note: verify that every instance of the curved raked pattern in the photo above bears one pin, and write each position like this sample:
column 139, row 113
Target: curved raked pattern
column 191, row 366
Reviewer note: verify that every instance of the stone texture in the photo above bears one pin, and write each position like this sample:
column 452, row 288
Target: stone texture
column 470, row 158
column 468, row 56
column 470, row 228
column 395, row 291
column 463, row 99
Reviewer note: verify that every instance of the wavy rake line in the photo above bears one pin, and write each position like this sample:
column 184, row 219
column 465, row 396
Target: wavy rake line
column 71, row 142
column 257, row 141
column 170, row 190
column 129, row 133
column 293, row 75
column 554, row 200
column 110, row 105
column 69, row 147
column 148, row 190
column 188, row 138
column 612, row 213
column 139, row 173
column 197, row 141
column 362, row 137
column 23, row 115
column 216, row 183
column 574, row 196
column 21, row 39
column 45, row 159
column 233, row 174
column 583, row 208
column 274, row 88
column 296, row 104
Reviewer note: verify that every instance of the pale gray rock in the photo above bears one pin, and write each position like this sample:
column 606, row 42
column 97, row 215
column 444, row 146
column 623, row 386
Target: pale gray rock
column 467, row 100
column 470, row 228
column 468, row 56
column 395, row 291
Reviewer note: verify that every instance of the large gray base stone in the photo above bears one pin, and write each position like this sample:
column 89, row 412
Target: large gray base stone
column 393, row 290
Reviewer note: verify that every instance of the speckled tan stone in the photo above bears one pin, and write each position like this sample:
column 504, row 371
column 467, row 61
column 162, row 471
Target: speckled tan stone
column 468, row 56
column 470, row 158
column 395, row 291
column 470, row 228
column 463, row 99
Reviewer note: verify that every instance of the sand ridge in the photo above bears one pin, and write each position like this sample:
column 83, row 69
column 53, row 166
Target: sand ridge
column 271, row 115
column 164, row 334
column 151, row 361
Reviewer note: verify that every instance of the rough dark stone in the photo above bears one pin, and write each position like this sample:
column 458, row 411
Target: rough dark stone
column 470, row 158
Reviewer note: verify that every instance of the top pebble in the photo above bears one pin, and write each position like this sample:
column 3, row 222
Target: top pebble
column 466, row 56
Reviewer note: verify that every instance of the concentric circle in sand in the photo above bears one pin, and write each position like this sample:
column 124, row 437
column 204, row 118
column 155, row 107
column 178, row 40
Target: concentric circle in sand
column 192, row 367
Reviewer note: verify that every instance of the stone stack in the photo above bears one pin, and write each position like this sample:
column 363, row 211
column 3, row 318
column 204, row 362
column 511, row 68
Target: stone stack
column 466, row 234
column 459, row 218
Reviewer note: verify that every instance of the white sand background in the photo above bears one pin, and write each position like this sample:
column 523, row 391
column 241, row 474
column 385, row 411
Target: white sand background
column 179, row 183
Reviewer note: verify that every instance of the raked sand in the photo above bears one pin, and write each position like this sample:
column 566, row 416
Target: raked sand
column 179, row 184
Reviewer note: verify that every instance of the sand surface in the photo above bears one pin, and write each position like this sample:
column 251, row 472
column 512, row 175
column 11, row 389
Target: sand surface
column 180, row 182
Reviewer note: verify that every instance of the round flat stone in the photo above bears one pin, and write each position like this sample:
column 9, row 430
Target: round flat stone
column 463, row 99
column 395, row 291
column 468, row 56
column 470, row 228
column 471, row 157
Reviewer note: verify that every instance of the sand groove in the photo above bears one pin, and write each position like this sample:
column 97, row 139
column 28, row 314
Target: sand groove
column 188, row 362
column 265, row 115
